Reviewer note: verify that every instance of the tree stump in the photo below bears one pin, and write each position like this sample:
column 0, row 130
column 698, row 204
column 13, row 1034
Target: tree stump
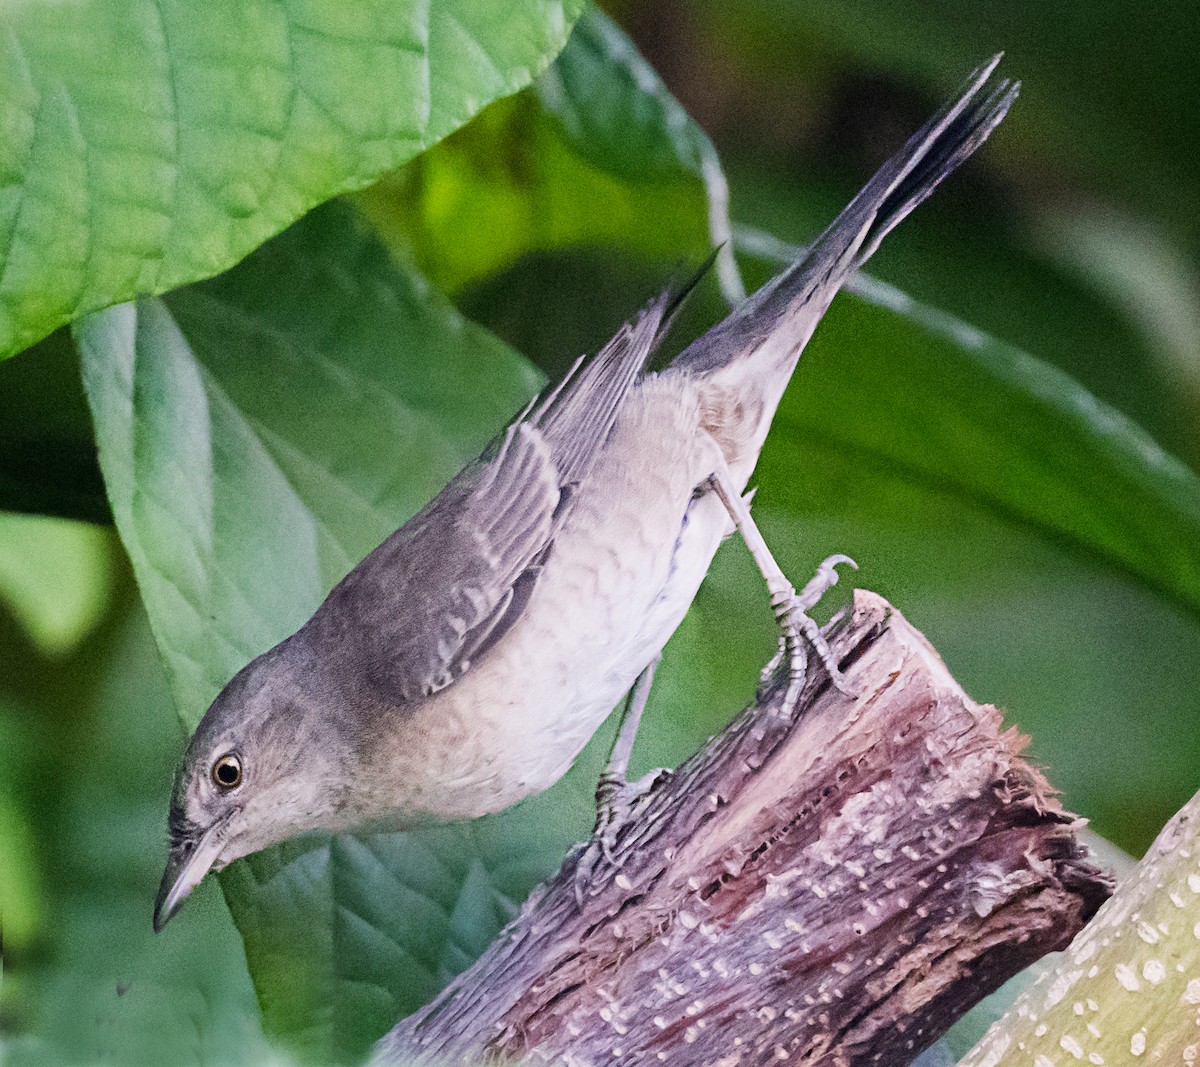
column 832, row 883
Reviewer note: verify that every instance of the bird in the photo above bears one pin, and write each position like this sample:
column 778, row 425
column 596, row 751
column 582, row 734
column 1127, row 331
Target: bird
column 467, row 660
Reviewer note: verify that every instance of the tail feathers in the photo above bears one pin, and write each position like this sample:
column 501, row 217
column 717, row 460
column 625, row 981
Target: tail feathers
column 935, row 152
column 787, row 309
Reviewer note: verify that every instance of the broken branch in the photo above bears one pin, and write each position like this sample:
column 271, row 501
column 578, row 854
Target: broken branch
column 833, row 883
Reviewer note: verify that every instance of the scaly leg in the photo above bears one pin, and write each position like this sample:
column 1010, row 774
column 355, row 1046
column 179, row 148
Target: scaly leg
column 614, row 793
column 790, row 607
column 612, row 779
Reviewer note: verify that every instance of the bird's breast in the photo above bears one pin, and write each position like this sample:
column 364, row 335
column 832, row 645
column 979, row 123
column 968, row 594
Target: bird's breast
column 622, row 573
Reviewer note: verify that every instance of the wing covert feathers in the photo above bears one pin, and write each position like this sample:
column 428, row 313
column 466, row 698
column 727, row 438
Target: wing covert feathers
column 443, row 589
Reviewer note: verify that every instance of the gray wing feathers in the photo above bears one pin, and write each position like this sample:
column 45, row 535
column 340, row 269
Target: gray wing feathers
column 577, row 415
column 410, row 616
column 445, row 587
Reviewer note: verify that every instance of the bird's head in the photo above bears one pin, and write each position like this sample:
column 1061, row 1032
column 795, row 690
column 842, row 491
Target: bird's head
column 262, row 766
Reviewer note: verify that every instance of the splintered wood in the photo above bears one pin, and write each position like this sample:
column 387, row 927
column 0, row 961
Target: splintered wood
column 835, row 885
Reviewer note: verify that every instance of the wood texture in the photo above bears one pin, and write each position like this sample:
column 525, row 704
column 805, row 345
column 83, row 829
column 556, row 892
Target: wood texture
column 832, row 885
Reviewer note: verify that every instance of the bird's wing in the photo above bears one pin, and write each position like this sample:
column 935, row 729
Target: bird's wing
column 411, row 618
column 414, row 615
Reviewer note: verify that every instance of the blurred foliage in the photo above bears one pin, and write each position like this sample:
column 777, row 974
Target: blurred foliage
column 55, row 576
column 47, row 454
column 263, row 430
column 1109, row 84
column 1082, row 216
column 598, row 128
column 87, row 749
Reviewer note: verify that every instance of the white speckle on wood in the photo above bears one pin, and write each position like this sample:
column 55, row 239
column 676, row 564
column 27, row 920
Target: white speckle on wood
column 1127, row 977
column 1069, row 1045
column 1058, row 989
column 995, row 1053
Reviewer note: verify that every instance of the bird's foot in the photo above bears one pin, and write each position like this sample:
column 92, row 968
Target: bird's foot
column 616, row 799
column 801, row 632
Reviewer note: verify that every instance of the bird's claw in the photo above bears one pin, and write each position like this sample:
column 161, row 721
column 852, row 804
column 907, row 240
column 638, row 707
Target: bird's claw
column 615, row 800
column 801, row 632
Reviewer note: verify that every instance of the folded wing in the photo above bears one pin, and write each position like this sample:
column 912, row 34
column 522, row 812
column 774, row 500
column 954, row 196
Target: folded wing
column 444, row 588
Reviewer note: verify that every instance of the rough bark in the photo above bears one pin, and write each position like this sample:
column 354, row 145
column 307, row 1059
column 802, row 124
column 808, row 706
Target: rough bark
column 834, row 883
column 1128, row 988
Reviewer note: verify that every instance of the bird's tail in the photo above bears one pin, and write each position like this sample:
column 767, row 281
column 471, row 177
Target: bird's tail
column 755, row 349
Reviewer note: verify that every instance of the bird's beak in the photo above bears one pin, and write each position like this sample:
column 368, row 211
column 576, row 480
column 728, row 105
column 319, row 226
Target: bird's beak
column 187, row 864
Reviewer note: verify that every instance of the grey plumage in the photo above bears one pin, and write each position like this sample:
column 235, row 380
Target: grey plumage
column 446, row 586
column 466, row 661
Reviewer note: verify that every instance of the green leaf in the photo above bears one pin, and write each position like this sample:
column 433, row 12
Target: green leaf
column 148, row 145
column 965, row 253
column 596, row 152
column 958, row 409
column 249, row 403
column 320, row 391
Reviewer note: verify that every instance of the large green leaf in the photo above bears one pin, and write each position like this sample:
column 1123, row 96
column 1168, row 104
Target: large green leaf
column 321, row 393
column 247, row 404
column 147, row 145
column 967, row 254
column 595, row 152
column 959, row 410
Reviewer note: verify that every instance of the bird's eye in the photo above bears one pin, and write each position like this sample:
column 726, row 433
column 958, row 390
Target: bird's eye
column 227, row 772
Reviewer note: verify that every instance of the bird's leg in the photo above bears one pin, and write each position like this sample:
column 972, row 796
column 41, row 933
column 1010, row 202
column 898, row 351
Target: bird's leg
column 790, row 607
column 614, row 792
column 613, row 783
